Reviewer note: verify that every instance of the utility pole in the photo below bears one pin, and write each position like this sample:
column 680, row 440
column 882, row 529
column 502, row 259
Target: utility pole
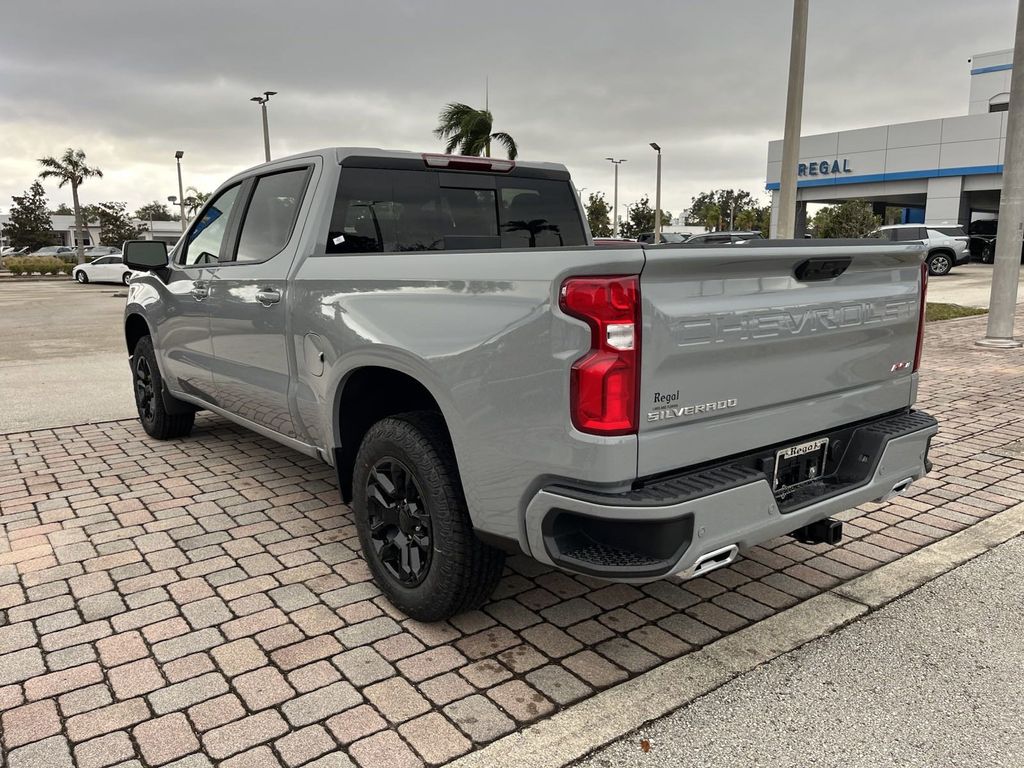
column 657, row 197
column 1006, row 267
column 786, row 215
column 615, row 196
column 262, row 101
column 181, row 192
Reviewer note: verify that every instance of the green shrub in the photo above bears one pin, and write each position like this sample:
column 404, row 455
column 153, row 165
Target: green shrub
column 42, row 265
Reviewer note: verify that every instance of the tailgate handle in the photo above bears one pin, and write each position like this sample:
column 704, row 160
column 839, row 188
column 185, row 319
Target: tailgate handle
column 821, row 269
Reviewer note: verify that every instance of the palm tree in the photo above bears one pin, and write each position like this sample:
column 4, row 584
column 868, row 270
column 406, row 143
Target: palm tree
column 711, row 216
column 469, row 131
column 746, row 219
column 71, row 169
column 195, row 200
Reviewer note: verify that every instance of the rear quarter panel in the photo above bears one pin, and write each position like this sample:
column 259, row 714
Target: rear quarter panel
column 483, row 333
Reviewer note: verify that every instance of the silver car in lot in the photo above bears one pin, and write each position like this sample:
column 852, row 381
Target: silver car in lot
column 947, row 245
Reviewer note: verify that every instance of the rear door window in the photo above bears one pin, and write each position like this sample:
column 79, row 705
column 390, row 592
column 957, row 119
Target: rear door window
column 951, row 231
column 270, row 216
column 378, row 210
column 906, row 234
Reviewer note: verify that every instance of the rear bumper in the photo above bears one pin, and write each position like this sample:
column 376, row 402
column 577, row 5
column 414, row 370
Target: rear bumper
column 670, row 526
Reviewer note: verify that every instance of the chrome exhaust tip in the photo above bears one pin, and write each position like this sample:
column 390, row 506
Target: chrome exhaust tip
column 719, row 558
column 898, row 488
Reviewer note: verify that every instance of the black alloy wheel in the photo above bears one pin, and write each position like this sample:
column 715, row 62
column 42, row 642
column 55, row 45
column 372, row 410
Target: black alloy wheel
column 145, row 390
column 400, row 526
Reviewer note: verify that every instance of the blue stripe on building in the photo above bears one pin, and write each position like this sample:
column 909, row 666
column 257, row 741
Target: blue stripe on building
column 970, row 170
column 994, row 68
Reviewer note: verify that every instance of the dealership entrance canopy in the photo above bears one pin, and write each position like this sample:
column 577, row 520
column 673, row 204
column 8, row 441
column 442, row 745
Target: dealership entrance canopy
column 944, row 171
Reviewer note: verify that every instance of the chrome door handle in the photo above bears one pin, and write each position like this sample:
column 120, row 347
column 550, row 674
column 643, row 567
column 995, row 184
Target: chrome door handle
column 268, row 296
column 200, row 292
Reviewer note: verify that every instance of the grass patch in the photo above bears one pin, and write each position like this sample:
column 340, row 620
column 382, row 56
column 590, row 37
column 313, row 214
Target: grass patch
column 937, row 311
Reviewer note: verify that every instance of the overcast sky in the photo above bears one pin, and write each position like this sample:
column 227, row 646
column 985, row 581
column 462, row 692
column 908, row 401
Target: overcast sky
column 572, row 80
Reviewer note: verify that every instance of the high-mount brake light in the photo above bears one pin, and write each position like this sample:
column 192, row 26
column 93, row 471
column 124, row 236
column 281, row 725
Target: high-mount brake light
column 464, row 163
column 921, row 316
column 604, row 383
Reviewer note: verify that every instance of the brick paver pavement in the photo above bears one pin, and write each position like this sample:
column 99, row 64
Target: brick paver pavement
column 204, row 600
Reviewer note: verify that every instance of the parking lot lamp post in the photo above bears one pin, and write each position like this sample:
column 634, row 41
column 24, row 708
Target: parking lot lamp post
column 657, row 197
column 615, row 196
column 1006, row 266
column 181, row 192
column 262, row 101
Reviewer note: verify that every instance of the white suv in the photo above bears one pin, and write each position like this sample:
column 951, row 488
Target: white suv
column 947, row 244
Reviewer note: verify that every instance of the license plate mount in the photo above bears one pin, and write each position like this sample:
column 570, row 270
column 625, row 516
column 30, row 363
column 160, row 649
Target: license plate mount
column 797, row 465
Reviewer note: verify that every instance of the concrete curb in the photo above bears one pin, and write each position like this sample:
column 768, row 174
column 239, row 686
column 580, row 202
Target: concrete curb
column 582, row 728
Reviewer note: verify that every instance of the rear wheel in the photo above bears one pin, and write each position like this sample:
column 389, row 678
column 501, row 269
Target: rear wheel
column 413, row 523
column 988, row 254
column 126, row 277
column 149, row 397
column 940, row 264
column 81, row 277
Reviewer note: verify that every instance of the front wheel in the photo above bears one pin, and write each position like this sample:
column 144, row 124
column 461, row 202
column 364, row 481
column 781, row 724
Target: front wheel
column 939, row 264
column 988, row 254
column 149, row 397
column 412, row 520
column 126, row 277
column 81, row 277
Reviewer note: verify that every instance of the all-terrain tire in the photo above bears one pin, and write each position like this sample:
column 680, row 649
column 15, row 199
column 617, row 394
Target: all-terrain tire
column 149, row 396
column 461, row 571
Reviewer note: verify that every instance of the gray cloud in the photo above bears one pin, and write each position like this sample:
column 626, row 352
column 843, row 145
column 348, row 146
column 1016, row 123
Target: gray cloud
column 572, row 80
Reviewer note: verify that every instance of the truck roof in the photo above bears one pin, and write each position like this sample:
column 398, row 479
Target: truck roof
column 341, row 154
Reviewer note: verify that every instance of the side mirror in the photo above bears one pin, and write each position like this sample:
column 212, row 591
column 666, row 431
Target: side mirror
column 145, row 255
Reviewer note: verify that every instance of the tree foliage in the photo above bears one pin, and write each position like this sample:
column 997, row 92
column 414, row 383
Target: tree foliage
column 63, row 210
column 599, row 215
column 155, row 211
column 471, row 131
column 194, row 200
column 71, row 168
column 716, row 208
column 852, row 218
column 29, row 223
column 639, row 218
column 116, row 225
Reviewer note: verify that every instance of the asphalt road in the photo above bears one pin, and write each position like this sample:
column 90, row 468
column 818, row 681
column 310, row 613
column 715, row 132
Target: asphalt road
column 62, row 355
column 934, row 679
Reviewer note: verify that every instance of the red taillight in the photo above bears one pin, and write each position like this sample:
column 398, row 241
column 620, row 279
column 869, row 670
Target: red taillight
column 605, row 381
column 464, row 163
column 920, row 317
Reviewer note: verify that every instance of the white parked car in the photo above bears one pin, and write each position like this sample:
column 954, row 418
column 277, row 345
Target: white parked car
column 105, row 269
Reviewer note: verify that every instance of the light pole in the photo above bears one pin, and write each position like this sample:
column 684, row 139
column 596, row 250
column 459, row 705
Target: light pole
column 1006, row 265
column 181, row 192
column 615, row 197
column 786, row 215
column 657, row 197
column 262, row 101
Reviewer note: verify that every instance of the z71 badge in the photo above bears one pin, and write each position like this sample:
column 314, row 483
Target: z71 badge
column 678, row 411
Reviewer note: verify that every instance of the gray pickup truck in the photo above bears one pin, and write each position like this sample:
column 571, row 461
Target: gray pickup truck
column 487, row 381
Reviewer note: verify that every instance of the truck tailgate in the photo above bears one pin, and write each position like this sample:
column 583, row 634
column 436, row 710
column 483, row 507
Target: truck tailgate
column 745, row 347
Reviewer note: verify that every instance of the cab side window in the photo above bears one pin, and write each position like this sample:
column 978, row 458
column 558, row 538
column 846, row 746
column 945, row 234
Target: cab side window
column 205, row 241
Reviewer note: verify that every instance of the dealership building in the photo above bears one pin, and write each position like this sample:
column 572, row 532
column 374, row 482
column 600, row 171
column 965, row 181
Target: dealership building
column 942, row 171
